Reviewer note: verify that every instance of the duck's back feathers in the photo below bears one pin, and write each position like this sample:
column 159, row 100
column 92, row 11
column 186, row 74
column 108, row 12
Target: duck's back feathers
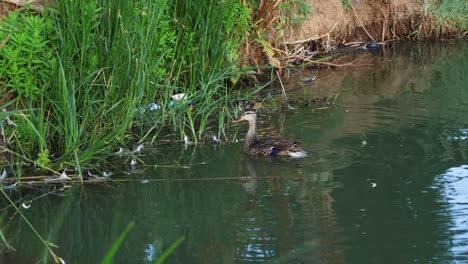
column 275, row 147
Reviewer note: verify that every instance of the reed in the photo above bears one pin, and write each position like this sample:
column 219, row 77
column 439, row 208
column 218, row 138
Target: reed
column 110, row 60
column 453, row 15
column 441, row 18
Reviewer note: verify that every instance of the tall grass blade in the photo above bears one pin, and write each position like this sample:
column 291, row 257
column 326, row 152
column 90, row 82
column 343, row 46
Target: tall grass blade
column 116, row 245
column 2, row 236
column 169, row 251
column 44, row 242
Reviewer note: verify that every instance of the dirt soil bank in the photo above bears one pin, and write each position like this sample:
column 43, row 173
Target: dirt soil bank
column 383, row 19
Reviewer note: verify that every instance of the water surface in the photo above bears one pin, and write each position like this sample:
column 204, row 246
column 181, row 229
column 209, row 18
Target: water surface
column 386, row 182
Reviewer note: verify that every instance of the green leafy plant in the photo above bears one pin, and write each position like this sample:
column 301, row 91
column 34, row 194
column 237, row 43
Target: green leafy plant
column 346, row 4
column 27, row 59
column 43, row 160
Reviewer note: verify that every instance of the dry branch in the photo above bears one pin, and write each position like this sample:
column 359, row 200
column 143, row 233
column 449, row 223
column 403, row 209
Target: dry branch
column 360, row 22
column 302, row 58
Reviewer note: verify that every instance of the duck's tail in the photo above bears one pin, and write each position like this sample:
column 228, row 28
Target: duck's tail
column 298, row 154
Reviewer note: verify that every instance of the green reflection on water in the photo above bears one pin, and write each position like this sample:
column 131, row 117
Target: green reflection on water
column 374, row 190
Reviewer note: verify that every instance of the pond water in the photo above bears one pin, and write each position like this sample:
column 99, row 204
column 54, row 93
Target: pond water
column 387, row 181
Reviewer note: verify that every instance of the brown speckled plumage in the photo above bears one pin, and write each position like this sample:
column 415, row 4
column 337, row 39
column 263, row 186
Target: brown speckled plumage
column 269, row 146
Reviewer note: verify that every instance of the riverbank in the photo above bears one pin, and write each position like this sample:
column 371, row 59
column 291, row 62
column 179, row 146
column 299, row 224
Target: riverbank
column 83, row 79
column 337, row 23
column 380, row 20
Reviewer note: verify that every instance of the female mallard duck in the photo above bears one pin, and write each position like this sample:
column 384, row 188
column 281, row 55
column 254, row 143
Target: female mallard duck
column 269, row 146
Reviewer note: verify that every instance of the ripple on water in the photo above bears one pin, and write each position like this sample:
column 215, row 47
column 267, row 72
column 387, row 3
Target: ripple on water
column 333, row 157
column 374, row 115
column 453, row 185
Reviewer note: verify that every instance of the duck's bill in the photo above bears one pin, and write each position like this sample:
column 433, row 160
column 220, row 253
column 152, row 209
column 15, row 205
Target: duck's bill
column 238, row 120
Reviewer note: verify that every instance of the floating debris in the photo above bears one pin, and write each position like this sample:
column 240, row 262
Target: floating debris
column 26, row 205
column 187, row 140
column 92, row 175
column 120, row 151
column 9, row 187
column 138, row 149
column 373, row 185
column 62, row 177
column 215, row 140
column 96, row 177
column 145, row 181
column 4, row 175
column 133, row 162
column 107, row 174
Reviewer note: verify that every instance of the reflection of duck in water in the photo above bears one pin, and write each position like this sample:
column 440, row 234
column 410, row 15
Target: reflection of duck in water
column 269, row 146
column 250, row 183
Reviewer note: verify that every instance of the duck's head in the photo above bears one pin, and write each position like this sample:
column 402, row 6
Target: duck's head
column 247, row 116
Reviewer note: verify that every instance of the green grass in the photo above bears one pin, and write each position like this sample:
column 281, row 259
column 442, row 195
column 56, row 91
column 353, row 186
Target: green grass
column 108, row 258
column 453, row 13
column 107, row 60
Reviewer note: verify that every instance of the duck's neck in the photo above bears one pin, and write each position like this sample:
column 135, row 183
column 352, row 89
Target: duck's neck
column 251, row 134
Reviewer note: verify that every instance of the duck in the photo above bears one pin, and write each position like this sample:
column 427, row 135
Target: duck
column 256, row 146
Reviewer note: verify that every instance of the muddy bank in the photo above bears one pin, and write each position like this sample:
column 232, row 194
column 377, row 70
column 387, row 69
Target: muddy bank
column 331, row 24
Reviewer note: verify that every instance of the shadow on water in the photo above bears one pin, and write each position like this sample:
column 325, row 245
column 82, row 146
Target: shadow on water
column 386, row 182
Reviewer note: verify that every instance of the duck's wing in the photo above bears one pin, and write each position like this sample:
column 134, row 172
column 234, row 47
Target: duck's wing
column 274, row 146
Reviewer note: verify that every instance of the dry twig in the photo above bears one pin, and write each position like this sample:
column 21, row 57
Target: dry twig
column 360, row 22
column 298, row 57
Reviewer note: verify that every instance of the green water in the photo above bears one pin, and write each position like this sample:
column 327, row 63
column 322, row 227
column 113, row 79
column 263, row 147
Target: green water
column 386, row 182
